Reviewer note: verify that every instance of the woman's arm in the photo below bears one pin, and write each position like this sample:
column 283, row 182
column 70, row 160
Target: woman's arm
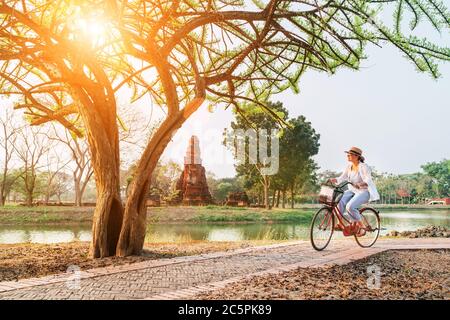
column 343, row 177
column 366, row 175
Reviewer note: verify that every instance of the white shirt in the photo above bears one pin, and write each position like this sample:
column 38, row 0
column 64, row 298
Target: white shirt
column 363, row 174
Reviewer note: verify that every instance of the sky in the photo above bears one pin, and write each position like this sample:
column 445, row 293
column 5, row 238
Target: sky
column 399, row 117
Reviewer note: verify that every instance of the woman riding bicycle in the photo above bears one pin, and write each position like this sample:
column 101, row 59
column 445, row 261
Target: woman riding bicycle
column 361, row 190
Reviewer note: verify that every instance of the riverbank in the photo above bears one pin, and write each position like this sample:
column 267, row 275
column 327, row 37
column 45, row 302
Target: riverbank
column 427, row 232
column 28, row 260
column 18, row 215
column 404, row 274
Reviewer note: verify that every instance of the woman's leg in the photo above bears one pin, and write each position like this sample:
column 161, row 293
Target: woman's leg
column 355, row 202
column 346, row 197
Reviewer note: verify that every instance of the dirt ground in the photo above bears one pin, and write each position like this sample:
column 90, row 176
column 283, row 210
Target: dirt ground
column 406, row 274
column 19, row 261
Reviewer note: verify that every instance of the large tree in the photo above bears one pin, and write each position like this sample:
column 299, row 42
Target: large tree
column 247, row 133
column 68, row 61
column 298, row 144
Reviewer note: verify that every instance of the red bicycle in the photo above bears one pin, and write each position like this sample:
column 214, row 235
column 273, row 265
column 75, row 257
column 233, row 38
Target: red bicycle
column 324, row 221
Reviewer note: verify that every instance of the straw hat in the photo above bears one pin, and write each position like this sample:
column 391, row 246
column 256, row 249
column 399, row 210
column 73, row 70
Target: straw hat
column 356, row 151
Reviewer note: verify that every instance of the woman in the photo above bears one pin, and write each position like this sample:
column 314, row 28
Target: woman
column 362, row 190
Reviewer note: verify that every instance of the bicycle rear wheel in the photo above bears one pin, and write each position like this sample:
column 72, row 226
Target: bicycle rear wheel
column 322, row 227
column 371, row 220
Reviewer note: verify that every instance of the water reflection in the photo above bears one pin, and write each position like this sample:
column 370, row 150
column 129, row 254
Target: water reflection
column 391, row 220
column 44, row 234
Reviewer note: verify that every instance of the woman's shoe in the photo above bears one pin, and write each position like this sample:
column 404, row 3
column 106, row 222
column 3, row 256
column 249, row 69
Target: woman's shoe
column 348, row 231
column 361, row 232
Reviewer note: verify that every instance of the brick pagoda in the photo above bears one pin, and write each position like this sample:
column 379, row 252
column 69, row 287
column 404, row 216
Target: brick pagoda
column 192, row 185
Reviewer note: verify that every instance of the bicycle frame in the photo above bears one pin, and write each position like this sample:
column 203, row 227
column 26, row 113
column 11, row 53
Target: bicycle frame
column 335, row 208
column 336, row 212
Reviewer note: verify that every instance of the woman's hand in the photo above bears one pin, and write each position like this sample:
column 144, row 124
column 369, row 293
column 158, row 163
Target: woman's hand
column 332, row 180
column 362, row 185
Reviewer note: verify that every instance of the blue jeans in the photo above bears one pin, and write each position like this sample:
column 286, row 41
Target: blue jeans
column 350, row 202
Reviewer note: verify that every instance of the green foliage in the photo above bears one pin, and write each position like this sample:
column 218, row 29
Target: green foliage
column 249, row 215
column 440, row 173
column 298, row 145
column 164, row 179
column 299, row 142
column 31, row 184
column 417, row 187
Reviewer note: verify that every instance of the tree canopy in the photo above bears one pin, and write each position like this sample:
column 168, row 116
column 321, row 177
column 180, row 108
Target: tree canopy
column 233, row 51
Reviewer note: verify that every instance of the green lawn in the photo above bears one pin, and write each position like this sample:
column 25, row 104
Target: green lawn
column 207, row 214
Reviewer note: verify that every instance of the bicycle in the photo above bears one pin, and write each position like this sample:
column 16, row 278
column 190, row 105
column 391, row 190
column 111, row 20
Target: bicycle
column 323, row 224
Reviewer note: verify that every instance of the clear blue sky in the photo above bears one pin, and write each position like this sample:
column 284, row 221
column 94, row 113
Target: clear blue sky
column 399, row 117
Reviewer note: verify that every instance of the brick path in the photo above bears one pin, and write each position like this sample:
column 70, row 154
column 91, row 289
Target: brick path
column 183, row 277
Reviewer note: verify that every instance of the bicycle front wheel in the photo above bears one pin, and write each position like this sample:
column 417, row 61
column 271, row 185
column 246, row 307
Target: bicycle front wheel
column 322, row 227
column 371, row 220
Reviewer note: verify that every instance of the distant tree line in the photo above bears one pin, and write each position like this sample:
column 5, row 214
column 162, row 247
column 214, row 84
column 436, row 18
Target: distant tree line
column 49, row 165
column 432, row 182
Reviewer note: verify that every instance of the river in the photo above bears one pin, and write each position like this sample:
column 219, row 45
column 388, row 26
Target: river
column 399, row 220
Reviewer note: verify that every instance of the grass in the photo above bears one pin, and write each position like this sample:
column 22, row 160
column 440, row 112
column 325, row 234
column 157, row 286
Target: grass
column 274, row 215
column 21, row 215
column 25, row 218
column 14, row 214
column 43, row 209
column 213, row 207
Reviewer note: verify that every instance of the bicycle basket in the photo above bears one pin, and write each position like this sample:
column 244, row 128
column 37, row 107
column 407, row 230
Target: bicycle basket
column 329, row 195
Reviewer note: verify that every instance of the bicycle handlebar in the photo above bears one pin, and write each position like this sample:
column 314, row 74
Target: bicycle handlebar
column 342, row 185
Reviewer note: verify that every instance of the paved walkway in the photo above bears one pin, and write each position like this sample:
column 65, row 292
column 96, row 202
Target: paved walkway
column 183, row 277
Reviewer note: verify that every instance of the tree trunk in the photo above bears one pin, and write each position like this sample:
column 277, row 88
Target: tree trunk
column 29, row 199
column 107, row 221
column 100, row 121
column 278, row 198
column 283, row 202
column 292, row 197
column 274, row 197
column 3, row 186
column 132, row 235
column 265, row 183
column 108, row 214
column 76, row 182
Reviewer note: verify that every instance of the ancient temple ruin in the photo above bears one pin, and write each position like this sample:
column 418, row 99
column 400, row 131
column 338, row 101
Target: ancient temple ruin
column 192, row 186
